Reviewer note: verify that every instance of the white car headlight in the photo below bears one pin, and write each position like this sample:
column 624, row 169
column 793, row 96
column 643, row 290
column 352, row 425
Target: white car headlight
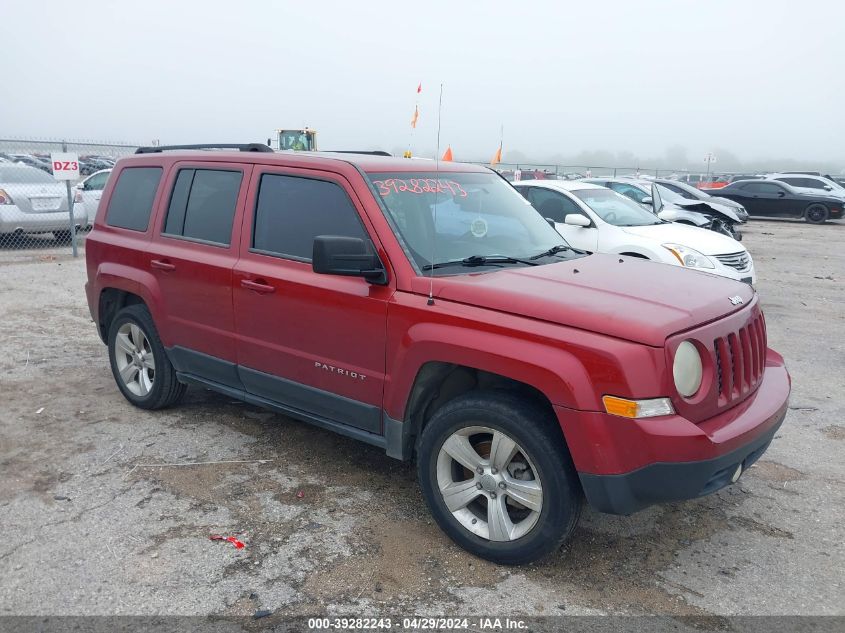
column 689, row 257
column 687, row 369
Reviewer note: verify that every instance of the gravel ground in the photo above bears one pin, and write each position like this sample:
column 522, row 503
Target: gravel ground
column 93, row 524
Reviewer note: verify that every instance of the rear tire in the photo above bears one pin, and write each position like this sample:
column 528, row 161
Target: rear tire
column 816, row 213
column 484, row 514
column 139, row 362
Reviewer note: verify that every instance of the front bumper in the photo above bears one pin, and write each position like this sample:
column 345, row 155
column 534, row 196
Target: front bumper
column 627, row 465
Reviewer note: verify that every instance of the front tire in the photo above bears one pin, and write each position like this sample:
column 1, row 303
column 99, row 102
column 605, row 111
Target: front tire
column 139, row 363
column 498, row 478
column 816, row 214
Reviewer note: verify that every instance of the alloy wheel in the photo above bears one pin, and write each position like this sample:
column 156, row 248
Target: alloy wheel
column 135, row 359
column 489, row 484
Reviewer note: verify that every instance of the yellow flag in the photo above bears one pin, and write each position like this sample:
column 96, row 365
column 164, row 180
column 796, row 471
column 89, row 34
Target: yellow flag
column 415, row 117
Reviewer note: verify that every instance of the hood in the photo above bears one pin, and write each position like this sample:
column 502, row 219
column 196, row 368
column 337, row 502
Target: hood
column 673, row 213
column 709, row 206
column 726, row 202
column 635, row 300
column 703, row 240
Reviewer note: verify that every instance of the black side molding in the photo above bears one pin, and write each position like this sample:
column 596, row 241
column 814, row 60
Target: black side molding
column 330, row 425
column 241, row 147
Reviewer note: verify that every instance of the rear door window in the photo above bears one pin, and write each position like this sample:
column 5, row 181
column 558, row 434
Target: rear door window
column 202, row 205
column 132, row 198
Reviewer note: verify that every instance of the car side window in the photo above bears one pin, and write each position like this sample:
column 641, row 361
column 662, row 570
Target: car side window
column 763, row 187
column 523, row 191
column 96, row 182
column 679, row 190
column 132, row 198
column 552, row 204
column 291, row 211
column 202, row 205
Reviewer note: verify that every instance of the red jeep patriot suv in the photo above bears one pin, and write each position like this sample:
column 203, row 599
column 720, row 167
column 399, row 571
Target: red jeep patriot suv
column 431, row 311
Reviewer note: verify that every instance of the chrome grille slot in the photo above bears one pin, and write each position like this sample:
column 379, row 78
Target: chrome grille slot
column 738, row 261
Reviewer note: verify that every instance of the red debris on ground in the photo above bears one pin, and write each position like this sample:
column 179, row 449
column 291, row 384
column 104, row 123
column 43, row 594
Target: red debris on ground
column 231, row 539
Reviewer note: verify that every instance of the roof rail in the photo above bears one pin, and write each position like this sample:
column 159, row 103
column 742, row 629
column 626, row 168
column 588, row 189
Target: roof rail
column 374, row 152
column 243, row 147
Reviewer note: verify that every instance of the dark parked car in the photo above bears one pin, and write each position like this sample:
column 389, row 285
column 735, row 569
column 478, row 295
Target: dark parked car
column 778, row 199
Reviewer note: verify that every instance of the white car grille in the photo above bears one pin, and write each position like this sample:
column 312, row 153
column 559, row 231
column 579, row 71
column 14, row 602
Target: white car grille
column 738, row 261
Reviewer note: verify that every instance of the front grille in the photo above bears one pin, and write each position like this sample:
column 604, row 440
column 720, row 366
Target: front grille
column 740, row 360
column 738, row 261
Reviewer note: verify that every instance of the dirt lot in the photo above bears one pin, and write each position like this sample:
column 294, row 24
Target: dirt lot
column 91, row 524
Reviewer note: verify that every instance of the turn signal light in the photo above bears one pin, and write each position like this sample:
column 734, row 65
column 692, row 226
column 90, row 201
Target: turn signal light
column 625, row 408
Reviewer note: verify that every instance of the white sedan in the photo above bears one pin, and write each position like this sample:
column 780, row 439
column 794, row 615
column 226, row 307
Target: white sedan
column 89, row 192
column 594, row 218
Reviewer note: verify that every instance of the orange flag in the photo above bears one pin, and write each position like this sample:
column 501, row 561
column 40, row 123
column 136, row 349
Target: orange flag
column 498, row 157
column 447, row 155
column 415, row 117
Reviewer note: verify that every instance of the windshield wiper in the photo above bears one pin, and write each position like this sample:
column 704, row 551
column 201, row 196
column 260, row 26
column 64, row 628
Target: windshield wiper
column 552, row 251
column 480, row 260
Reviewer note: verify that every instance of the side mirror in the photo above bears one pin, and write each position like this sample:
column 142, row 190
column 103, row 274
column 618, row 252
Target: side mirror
column 668, row 215
column 828, row 188
column 348, row 256
column 648, row 200
column 781, row 194
column 574, row 219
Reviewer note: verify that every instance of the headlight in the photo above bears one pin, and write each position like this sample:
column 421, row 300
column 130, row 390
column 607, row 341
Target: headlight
column 5, row 198
column 687, row 369
column 689, row 257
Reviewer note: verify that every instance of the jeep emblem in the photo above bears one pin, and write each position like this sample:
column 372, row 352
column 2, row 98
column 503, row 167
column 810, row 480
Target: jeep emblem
column 736, row 300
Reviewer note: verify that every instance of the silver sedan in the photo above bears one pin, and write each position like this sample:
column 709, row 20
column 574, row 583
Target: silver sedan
column 31, row 201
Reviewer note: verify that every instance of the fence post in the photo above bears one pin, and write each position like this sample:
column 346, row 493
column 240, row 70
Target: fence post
column 70, row 210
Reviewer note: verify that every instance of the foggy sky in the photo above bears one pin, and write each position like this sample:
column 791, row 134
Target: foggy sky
column 759, row 79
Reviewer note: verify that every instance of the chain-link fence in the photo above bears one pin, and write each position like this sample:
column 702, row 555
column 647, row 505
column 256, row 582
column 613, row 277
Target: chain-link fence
column 526, row 171
column 38, row 211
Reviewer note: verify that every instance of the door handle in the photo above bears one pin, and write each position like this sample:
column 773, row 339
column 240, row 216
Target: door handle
column 258, row 285
column 162, row 264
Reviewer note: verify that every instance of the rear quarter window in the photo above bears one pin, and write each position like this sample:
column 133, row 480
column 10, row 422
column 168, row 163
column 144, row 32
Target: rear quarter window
column 132, row 198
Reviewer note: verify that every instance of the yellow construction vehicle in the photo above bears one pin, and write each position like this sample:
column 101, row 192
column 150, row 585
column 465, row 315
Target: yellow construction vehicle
column 297, row 140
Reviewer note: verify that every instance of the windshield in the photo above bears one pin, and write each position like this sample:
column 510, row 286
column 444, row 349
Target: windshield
column 23, row 174
column 616, row 209
column 476, row 215
column 293, row 139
